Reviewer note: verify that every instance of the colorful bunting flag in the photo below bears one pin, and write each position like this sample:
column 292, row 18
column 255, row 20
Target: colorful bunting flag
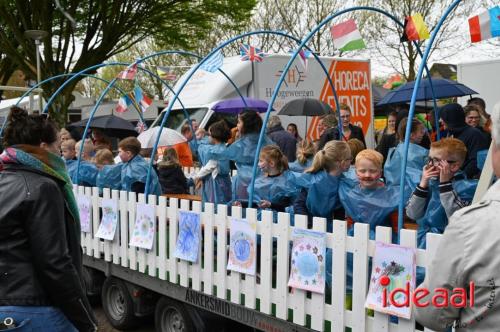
column 123, row 104
column 213, row 63
column 303, row 55
column 141, row 99
column 166, row 73
column 485, row 25
column 141, row 126
column 346, row 36
column 251, row 53
column 415, row 28
column 129, row 73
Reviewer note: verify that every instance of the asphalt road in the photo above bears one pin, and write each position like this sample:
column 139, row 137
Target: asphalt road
column 147, row 325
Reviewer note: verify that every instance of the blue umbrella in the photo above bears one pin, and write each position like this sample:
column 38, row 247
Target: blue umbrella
column 443, row 88
column 236, row 105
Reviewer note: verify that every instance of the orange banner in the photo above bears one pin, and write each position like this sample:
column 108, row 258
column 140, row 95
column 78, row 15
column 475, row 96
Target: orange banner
column 352, row 83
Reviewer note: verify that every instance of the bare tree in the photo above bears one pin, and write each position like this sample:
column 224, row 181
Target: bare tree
column 383, row 34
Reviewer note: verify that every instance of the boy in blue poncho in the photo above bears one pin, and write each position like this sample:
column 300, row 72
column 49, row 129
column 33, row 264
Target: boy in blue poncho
column 214, row 175
column 135, row 169
column 443, row 188
column 87, row 171
column 369, row 201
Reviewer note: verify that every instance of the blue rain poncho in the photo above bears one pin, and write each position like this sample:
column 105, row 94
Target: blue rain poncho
column 87, row 173
column 298, row 167
column 322, row 196
column 351, row 174
column 435, row 219
column 136, row 170
column 417, row 156
column 243, row 153
column 369, row 206
column 110, row 176
column 275, row 189
column 215, row 190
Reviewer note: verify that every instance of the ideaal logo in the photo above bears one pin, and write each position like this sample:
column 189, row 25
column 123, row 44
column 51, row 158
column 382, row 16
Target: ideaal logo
column 460, row 297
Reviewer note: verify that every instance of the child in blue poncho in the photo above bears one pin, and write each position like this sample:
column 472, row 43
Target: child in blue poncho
column 369, row 201
column 243, row 152
column 272, row 189
column 417, row 156
column 320, row 197
column 135, row 169
column 443, row 188
column 214, row 175
column 87, row 171
column 305, row 155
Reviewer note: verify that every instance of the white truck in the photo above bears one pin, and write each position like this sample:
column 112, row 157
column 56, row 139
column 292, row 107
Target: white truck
column 351, row 79
column 483, row 77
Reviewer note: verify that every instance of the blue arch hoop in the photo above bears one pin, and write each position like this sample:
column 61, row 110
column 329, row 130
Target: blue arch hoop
column 287, row 67
column 111, row 84
column 56, row 77
column 412, row 108
column 222, row 45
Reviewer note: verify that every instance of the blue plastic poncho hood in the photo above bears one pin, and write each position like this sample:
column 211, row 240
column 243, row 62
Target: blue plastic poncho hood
column 369, row 206
column 417, row 156
column 110, row 176
column 322, row 196
column 298, row 167
column 87, row 174
column 136, row 170
column 243, row 152
column 273, row 189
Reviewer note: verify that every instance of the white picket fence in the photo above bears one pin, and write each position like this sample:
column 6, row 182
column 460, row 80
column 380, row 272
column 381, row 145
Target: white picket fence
column 269, row 290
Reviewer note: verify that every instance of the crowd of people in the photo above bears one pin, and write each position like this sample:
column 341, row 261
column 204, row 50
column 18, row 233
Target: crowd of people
column 336, row 177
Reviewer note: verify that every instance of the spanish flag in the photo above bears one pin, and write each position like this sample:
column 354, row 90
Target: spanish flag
column 415, row 28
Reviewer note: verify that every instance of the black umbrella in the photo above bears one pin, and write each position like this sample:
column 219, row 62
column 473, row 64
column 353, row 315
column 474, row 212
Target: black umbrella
column 305, row 106
column 113, row 126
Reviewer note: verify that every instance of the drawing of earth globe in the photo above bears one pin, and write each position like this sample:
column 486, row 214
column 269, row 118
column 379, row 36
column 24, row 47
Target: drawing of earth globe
column 242, row 249
column 307, row 263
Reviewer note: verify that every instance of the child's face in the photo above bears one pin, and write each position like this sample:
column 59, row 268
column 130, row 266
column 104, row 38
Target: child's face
column 125, row 156
column 438, row 155
column 67, row 153
column 266, row 165
column 417, row 136
column 368, row 173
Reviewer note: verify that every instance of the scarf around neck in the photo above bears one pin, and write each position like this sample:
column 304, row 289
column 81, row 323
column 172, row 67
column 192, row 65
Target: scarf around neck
column 45, row 162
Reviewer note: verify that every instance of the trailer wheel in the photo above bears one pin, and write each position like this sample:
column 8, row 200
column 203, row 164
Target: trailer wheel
column 172, row 316
column 118, row 305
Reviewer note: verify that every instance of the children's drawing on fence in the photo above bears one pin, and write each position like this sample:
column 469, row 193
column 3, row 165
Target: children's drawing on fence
column 144, row 227
column 84, row 209
column 109, row 220
column 308, row 261
column 242, row 246
column 188, row 241
column 393, row 267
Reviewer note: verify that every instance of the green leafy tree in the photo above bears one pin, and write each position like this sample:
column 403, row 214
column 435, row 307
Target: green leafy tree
column 103, row 29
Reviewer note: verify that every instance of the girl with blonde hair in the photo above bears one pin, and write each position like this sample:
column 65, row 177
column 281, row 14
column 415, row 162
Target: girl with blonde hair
column 305, row 155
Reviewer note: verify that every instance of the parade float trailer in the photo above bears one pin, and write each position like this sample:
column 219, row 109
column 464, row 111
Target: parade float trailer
column 351, row 79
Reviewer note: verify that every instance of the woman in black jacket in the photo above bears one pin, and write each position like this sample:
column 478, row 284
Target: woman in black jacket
column 41, row 284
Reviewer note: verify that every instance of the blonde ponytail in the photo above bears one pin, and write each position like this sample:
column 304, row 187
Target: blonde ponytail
column 330, row 157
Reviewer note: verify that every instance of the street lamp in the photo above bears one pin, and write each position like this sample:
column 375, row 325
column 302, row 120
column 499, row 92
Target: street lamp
column 37, row 36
